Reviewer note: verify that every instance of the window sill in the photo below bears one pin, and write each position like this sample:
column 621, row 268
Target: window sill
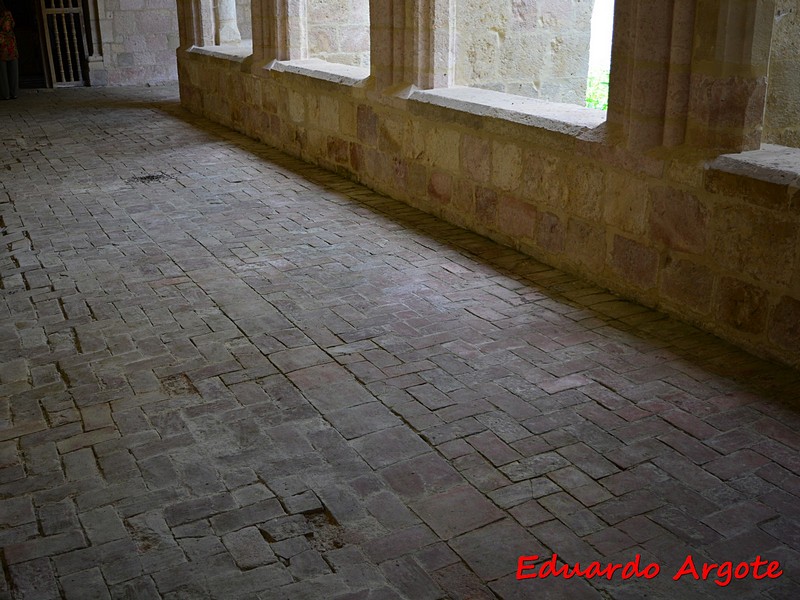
column 322, row 70
column 558, row 117
column 235, row 53
column 769, row 176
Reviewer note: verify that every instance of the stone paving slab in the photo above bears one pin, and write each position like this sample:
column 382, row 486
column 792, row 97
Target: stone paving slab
column 226, row 374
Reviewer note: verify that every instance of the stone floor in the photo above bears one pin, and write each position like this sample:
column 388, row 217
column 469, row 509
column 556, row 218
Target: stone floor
column 227, row 374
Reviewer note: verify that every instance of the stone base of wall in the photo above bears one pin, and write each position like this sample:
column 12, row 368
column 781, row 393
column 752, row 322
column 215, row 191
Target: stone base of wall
column 713, row 242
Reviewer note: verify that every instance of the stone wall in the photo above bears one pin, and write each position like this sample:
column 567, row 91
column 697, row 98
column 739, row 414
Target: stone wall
column 244, row 19
column 782, row 116
column 714, row 243
column 139, row 38
column 538, row 49
column 338, row 31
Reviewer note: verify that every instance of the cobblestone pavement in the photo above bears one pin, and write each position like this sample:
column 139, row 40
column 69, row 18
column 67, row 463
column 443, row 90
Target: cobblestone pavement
column 227, row 374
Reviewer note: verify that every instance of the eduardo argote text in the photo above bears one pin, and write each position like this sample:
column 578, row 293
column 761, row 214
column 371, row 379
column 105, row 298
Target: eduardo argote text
column 720, row 573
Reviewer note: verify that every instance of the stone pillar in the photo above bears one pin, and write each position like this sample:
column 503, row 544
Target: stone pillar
column 650, row 65
column 195, row 23
column 227, row 29
column 411, row 43
column 279, row 31
column 97, row 69
column 689, row 72
column 729, row 74
column 433, row 59
column 384, row 39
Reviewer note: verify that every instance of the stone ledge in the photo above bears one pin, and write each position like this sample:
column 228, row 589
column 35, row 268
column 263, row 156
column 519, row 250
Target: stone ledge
column 568, row 119
column 235, row 53
column 323, row 70
column 769, row 176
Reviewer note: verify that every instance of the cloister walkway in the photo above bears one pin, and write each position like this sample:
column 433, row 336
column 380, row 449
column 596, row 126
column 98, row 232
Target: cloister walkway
column 228, row 374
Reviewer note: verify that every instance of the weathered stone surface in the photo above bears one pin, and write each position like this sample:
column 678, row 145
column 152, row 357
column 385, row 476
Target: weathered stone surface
column 635, row 262
column 689, row 283
column 785, row 325
column 741, row 305
column 678, row 220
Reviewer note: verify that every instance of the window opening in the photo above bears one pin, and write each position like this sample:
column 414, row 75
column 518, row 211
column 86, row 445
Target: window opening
column 534, row 48
column 782, row 113
column 600, row 54
column 338, row 31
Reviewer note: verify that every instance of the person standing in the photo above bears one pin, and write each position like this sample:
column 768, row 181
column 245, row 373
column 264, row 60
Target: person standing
column 9, row 63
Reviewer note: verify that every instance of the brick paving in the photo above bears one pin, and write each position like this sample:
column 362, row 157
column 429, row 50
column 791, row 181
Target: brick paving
column 228, row 374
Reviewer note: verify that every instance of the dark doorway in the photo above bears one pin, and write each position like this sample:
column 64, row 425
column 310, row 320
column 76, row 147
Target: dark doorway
column 31, row 65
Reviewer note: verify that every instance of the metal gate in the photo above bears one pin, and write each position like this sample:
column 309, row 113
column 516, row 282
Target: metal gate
column 65, row 41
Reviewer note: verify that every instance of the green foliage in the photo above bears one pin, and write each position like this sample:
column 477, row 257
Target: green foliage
column 597, row 90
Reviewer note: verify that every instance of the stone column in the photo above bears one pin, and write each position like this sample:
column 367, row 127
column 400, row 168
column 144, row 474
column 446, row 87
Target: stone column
column 433, row 48
column 384, row 38
column 689, row 72
column 195, row 23
column 650, row 65
column 411, row 43
column 729, row 74
column 227, row 29
column 97, row 70
column 279, row 31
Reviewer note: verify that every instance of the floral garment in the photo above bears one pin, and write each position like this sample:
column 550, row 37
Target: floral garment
column 8, row 43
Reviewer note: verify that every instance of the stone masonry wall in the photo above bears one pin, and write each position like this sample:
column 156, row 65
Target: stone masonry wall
column 338, row 31
column 244, row 19
column 782, row 115
column 713, row 245
column 534, row 48
column 139, row 41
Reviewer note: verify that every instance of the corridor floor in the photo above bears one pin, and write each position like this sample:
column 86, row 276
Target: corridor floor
column 228, row 374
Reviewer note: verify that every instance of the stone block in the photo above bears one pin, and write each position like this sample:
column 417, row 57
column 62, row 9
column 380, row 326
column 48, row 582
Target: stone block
column 585, row 244
column 249, row 548
column 410, row 579
column 329, row 113
column 85, row 584
column 296, row 107
column 688, row 283
column 16, row 511
column 485, row 207
column 492, row 551
column 625, row 203
column 730, row 110
column 757, row 242
column 741, row 305
column 585, row 190
column 550, row 233
column 387, row 447
column 463, row 200
column 338, row 150
column 474, row 511
column 34, row 580
column 367, row 125
column 440, row 187
column 784, row 328
column 516, row 217
column 635, row 262
column 390, row 135
column 542, row 179
column 399, row 173
column 678, row 220
column 476, row 158
column 506, row 165
column 442, row 148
